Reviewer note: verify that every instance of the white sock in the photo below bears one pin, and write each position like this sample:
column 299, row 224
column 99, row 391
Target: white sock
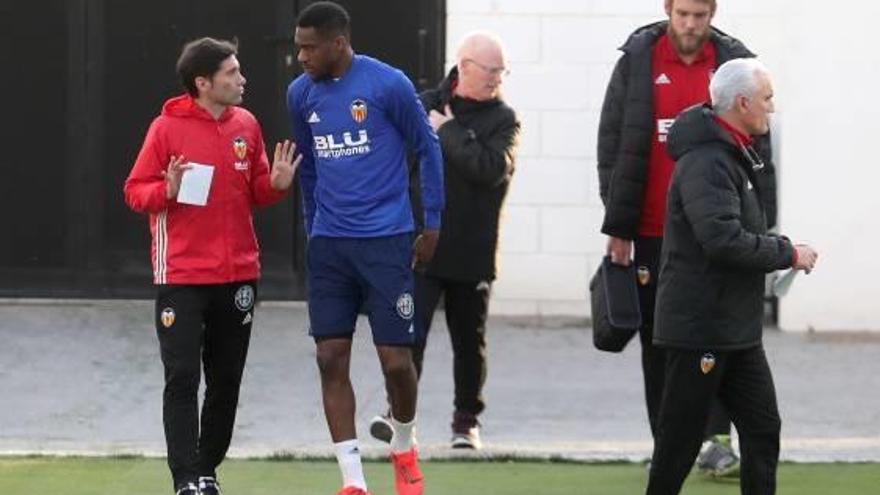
column 403, row 438
column 348, row 455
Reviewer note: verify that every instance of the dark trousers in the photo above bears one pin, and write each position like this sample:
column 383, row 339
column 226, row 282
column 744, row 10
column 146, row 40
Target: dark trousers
column 209, row 326
column 647, row 256
column 743, row 382
column 467, row 309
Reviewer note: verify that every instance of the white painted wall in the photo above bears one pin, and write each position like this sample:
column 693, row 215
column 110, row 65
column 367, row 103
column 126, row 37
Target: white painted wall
column 562, row 53
column 831, row 141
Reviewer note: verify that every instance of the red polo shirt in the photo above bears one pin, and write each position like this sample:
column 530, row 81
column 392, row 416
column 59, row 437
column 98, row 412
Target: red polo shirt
column 677, row 86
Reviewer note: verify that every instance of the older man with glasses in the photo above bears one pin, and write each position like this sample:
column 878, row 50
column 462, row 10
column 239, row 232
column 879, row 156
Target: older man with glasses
column 478, row 136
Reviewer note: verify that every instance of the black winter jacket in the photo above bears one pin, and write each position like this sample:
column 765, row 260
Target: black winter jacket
column 626, row 127
column 716, row 249
column 479, row 148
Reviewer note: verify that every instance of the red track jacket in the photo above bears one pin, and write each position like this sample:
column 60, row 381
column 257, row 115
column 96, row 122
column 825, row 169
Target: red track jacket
column 209, row 244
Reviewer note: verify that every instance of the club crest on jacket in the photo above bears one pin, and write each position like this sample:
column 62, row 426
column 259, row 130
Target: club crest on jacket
column 707, row 363
column 240, row 148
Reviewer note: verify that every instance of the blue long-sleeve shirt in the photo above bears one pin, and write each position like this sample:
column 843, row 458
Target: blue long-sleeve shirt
column 353, row 134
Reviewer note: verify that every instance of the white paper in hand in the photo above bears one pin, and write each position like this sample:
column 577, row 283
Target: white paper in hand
column 195, row 184
column 783, row 283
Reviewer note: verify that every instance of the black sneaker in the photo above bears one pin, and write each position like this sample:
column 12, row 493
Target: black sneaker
column 188, row 489
column 381, row 429
column 208, row 485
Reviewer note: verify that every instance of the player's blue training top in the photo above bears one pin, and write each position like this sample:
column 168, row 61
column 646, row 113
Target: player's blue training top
column 353, row 134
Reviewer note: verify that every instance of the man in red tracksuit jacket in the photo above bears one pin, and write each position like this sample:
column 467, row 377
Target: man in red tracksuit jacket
column 205, row 257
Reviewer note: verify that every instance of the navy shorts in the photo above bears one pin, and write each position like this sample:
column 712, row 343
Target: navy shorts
column 371, row 275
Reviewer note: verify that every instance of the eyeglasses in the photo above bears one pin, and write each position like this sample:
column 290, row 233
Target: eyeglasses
column 494, row 71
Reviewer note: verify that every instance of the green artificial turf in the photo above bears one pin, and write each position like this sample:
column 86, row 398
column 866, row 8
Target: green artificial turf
column 113, row 476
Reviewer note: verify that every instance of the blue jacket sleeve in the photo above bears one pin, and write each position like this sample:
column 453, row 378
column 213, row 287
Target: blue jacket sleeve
column 408, row 115
column 302, row 136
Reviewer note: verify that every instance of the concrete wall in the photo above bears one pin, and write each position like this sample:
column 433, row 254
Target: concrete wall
column 561, row 54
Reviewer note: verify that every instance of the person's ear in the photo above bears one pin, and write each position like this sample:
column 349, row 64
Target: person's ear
column 203, row 83
column 742, row 103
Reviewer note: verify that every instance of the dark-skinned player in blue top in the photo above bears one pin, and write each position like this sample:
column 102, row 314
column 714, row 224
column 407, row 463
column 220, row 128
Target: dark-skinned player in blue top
column 355, row 119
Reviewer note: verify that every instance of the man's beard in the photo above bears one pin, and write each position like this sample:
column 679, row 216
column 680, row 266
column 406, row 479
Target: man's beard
column 687, row 45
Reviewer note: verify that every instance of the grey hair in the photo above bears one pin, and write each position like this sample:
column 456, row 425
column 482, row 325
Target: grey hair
column 737, row 77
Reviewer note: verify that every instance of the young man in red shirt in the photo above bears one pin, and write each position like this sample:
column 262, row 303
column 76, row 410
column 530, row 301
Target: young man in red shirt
column 665, row 68
column 204, row 253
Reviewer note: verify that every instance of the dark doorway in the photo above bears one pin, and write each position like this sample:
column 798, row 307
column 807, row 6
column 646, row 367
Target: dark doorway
column 88, row 86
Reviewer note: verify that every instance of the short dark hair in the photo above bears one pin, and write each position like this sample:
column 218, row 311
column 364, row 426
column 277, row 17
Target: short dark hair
column 328, row 18
column 202, row 58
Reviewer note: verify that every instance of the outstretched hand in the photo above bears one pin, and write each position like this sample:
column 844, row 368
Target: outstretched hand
column 284, row 165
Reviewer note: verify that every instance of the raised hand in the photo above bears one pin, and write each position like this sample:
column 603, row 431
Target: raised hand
column 437, row 119
column 284, row 165
column 174, row 174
